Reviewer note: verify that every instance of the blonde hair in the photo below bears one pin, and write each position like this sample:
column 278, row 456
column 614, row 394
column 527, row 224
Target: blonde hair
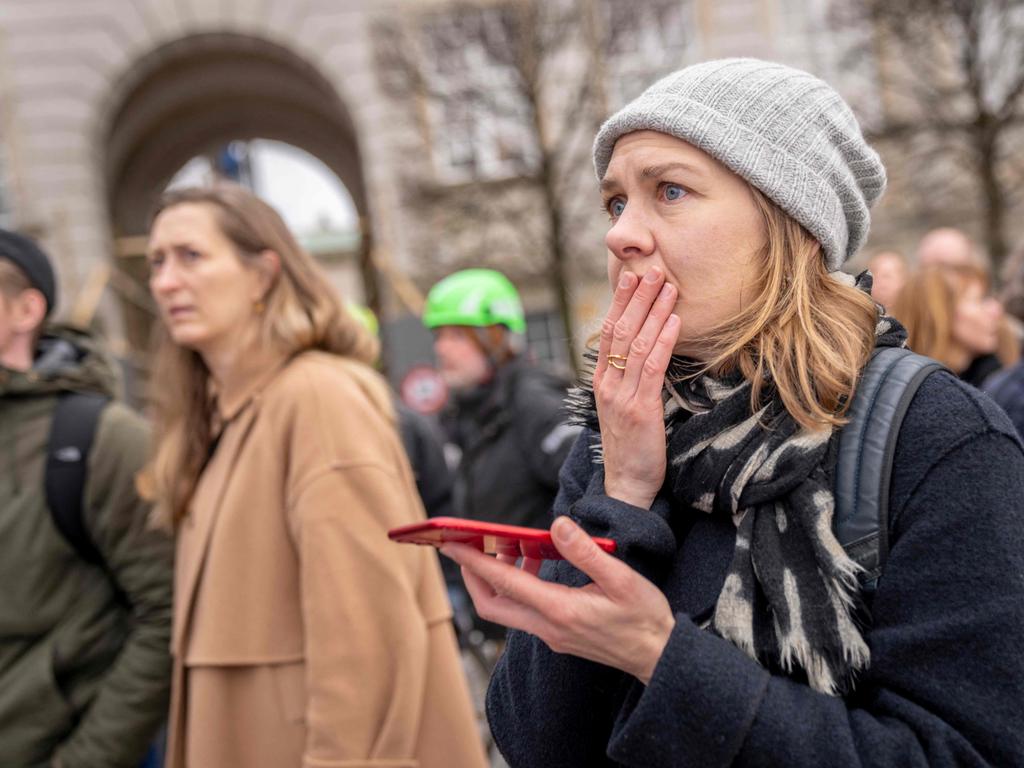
column 927, row 308
column 805, row 334
column 301, row 312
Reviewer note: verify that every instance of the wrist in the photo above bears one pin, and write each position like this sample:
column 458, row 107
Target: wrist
column 638, row 497
column 655, row 648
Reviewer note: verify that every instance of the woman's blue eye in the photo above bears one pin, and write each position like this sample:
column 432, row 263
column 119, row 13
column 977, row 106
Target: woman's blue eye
column 674, row 192
column 616, row 207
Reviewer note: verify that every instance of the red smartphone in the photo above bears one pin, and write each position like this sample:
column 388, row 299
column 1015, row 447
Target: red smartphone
column 492, row 538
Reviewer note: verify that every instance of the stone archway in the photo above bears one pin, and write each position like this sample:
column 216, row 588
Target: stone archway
column 193, row 95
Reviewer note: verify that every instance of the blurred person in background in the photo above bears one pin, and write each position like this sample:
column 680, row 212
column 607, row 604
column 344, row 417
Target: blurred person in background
column 888, row 276
column 301, row 636
column 1007, row 387
column 951, row 315
column 730, row 627
column 947, row 246
column 506, row 415
column 85, row 581
column 1012, row 293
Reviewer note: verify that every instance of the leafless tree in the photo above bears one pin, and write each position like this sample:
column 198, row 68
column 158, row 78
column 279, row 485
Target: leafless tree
column 950, row 103
column 509, row 95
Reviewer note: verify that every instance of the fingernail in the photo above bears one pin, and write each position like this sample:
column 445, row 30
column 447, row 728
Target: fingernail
column 652, row 276
column 625, row 280
column 666, row 291
column 673, row 321
column 564, row 529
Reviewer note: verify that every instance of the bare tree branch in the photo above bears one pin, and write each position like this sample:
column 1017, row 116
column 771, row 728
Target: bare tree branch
column 513, row 90
column 954, row 83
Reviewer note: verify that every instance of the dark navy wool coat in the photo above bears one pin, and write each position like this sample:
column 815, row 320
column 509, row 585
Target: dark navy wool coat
column 946, row 681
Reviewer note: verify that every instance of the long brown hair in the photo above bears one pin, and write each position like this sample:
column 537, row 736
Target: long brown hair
column 302, row 312
column 805, row 333
column 927, row 308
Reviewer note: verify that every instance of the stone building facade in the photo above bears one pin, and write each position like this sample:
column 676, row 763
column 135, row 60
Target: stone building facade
column 102, row 101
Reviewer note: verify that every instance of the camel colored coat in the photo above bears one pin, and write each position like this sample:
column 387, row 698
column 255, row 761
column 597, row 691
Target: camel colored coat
column 302, row 635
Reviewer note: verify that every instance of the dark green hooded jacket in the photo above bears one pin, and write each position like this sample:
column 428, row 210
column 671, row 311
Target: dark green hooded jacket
column 84, row 673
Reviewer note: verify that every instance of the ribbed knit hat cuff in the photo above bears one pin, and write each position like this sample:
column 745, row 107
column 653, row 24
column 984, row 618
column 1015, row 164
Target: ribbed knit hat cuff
column 734, row 145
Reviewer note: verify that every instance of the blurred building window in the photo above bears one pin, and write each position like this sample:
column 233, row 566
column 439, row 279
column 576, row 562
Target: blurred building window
column 479, row 102
column 838, row 45
column 545, row 338
column 481, row 124
column 644, row 41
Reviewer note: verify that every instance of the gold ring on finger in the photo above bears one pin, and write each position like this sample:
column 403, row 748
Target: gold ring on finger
column 617, row 361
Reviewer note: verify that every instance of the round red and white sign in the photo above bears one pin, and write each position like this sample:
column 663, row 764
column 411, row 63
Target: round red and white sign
column 423, row 389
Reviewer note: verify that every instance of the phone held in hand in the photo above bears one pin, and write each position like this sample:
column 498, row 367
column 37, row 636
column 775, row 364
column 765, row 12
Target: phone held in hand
column 492, row 538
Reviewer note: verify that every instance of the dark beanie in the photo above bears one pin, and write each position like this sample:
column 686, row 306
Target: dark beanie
column 30, row 258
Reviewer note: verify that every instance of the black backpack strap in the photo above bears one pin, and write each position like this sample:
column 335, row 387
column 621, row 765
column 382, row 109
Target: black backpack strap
column 71, row 436
column 866, row 449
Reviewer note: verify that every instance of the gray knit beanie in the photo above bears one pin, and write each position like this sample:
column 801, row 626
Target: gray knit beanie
column 783, row 130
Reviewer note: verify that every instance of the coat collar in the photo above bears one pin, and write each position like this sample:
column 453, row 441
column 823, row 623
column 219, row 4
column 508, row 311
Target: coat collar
column 235, row 413
column 195, row 530
column 256, row 372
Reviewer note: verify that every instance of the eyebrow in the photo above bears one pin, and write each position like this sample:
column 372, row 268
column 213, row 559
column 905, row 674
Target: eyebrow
column 654, row 171
column 180, row 246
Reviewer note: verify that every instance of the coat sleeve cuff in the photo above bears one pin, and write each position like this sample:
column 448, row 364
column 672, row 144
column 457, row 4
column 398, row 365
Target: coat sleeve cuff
column 644, row 539
column 697, row 708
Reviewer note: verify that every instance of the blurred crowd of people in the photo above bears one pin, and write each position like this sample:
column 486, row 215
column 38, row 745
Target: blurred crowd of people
column 278, row 458
column 948, row 300
column 212, row 585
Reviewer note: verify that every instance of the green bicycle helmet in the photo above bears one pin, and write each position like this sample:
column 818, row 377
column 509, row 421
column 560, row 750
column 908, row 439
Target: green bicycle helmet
column 475, row 298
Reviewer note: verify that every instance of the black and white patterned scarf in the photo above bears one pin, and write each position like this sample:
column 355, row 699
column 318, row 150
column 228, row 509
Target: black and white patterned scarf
column 790, row 593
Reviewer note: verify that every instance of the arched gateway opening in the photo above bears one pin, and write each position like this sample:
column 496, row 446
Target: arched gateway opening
column 191, row 98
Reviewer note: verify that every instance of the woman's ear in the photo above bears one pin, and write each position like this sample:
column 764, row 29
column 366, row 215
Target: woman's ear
column 269, row 267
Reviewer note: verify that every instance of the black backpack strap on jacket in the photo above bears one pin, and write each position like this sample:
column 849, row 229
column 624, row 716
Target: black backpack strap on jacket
column 866, row 449
column 71, row 436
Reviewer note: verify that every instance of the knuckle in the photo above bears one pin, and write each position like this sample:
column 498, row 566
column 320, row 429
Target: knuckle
column 485, row 609
column 556, row 642
column 561, row 616
column 615, row 582
column 639, row 346
column 651, row 368
column 621, row 331
column 501, row 587
column 607, row 329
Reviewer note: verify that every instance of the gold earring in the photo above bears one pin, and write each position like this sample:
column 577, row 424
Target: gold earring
column 258, row 306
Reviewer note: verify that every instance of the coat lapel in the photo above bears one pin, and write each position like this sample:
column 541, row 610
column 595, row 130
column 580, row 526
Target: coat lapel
column 704, row 556
column 196, row 530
